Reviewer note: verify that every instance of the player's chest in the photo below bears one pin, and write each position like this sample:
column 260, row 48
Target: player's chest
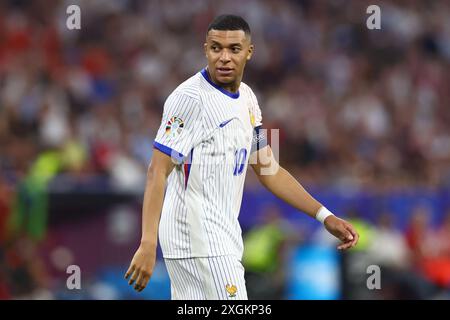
column 232, row 124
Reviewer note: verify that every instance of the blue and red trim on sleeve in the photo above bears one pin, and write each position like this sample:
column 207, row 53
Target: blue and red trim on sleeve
column 187, row 168
column 169, row 151
column 179, row 157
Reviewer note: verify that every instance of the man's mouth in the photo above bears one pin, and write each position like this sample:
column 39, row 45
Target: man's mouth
column 224, row 71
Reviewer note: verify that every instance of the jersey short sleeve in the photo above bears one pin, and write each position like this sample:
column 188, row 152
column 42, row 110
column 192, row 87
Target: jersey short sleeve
column 256, row 110
column 181, row 126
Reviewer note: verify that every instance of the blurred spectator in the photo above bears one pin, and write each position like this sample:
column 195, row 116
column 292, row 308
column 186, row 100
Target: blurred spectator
column 24, row 271
column 419, row 235
column 390, row 252
column 443, row 236
column 266, row 246
column 6, row 194
column 388, row 247
column 436, row 261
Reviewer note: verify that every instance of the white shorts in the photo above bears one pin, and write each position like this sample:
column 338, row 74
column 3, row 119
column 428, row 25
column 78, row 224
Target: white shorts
column 212, row 278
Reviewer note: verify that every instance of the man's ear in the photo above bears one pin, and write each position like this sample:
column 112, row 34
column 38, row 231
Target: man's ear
column 205, row 48
column 251, row 48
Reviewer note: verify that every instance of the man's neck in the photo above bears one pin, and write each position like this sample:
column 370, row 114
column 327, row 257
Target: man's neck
column 232, row 87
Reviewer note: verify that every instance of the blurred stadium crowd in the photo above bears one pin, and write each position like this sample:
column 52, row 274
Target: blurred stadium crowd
column 357, row 109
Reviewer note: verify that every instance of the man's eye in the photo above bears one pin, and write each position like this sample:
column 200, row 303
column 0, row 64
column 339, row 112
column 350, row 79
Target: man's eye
column 215, row 48
column 236, row 49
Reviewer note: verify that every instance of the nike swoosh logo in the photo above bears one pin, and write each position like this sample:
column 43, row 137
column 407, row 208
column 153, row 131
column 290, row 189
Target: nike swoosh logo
column 223, row 124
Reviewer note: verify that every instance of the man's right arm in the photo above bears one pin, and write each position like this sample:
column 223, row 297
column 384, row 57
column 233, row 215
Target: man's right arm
column 143, row 262
column 158, row 171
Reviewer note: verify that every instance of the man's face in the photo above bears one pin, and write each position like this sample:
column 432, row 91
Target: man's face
column 227, row 52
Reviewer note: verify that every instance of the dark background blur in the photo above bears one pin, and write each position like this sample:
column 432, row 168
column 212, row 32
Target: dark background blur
column 364, row 119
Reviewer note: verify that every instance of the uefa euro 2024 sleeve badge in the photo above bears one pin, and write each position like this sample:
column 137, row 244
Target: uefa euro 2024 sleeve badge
column 174, row 126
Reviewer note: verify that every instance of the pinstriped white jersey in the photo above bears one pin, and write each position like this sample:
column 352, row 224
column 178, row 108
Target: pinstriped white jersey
column 209, row 132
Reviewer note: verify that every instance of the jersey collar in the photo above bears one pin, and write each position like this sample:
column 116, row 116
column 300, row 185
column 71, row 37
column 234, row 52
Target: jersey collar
column 226, row 92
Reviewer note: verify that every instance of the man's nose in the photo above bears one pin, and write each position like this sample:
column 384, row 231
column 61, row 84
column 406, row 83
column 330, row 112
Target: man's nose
column 225, row 56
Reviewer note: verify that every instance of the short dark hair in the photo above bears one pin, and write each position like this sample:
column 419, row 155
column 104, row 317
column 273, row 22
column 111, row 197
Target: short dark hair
column 229, row 22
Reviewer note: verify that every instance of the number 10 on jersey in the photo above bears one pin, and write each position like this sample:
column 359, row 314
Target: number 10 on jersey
column 240, row 156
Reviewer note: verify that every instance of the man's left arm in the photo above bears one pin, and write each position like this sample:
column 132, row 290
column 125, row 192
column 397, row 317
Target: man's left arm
column 282, row 184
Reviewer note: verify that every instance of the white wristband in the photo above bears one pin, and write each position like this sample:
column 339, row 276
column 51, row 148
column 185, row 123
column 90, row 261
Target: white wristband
column 322, row 214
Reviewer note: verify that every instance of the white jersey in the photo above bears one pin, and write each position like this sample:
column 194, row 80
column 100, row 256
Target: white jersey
column 209, row 131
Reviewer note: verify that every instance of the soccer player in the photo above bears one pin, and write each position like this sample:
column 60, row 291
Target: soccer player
column 210, row 131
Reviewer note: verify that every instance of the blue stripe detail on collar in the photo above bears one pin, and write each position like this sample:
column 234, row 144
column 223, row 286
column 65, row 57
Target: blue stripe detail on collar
column 228, row 93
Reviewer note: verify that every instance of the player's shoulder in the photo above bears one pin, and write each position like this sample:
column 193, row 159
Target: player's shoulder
column 244, row 86
column 189, row 88
column 247, row 90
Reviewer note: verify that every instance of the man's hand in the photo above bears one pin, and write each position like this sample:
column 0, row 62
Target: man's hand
column 342, row 230
column 141, row 267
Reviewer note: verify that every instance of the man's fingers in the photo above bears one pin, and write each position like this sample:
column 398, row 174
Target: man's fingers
column 355, row 240
column 139, row 281
column 142, row 280
column 350, row 228
column 354, row 234
column 143, row 283
column 129, row 271
column 345, row 232
column 134, row 276
column 344, row 246
column 348, row 235
column 345, row 235
column 143, row 287
column 349, row 239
